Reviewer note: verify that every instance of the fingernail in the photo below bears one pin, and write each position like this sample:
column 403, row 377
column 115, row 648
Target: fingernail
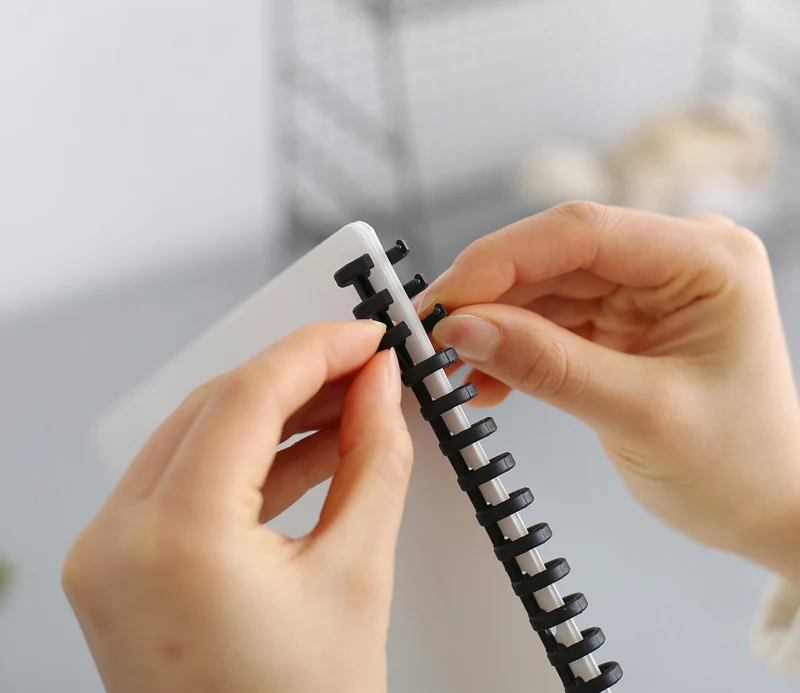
column 475, row 339
column 372, row 328
column 373, row 324
column 393, row 384
column 427, row 299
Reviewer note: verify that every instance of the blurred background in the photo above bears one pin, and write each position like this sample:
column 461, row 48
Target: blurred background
column 159, row 161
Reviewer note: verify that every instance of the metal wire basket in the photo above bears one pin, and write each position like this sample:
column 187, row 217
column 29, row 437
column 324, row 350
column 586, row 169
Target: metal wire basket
column 413, row 114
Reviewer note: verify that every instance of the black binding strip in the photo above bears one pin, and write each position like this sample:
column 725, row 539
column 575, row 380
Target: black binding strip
column 610, row 674
column 574, row 605
column 492, row 514
column 439, row 313
column 482, row 475
column 536, row 536
column 437, row 362
column 461, row 395
column 593, row 640
column 354, row 270
column 475, row 433
column 357, row 273
column 395, row 336
column 554, row 571
column 369, row 307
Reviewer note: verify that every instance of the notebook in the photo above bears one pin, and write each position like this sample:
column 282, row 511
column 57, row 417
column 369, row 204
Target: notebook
column 470, row 614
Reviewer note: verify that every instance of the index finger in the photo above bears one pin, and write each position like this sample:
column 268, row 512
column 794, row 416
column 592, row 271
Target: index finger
column 624, row 246
column 227, row 453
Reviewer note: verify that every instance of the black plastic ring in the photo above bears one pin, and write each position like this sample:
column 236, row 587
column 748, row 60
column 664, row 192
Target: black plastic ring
column 399, row 251
column 461, row 395
column 610, row 674
column 439, row 313
column 416, row 286
column 475, row 433
column 492, row 514
column 593, row 640
column 437, row 362
column 554, row 570
column 574, row 605
column 395, row 336
column 348, row 274
column 478, row 477
column 369, row 307
column 536, row 536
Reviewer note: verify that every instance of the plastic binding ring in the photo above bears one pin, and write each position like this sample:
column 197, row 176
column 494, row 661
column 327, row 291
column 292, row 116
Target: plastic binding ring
column 352, row 271
column 395, row 336
column 437, row 362
column 372, row 305
column 416, row 286
column 461, row 395
column 439, row 313
column 517, row 501
column 610, row 674
column 574, row 605
column 482, row 475
column 554, row 571
column 477, row 432
column 592, row 640
column 399, row 251
column 536, row 536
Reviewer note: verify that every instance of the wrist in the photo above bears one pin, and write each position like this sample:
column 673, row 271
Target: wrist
column 776, row 542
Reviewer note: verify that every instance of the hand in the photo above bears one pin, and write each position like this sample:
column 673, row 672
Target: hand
column 664, row 335
column 179, row 587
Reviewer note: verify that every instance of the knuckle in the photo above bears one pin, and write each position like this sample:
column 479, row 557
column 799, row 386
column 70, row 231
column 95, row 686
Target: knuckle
column 394, row 460
column 80, row 570
column 241, row 382
column 246, row 382
column 590, row 214
column 593, row 219
column 397, row 461
column 316, row 331
column 745, row 244
column 553, row 372
column 475, row 254
column 204, row 391
column 748, row 264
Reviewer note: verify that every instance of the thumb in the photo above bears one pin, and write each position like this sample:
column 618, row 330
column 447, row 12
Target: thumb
column 607, row 389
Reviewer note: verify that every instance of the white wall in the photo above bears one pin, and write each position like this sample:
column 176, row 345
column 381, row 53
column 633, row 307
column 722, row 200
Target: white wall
column 133, row 134
column 136, row 134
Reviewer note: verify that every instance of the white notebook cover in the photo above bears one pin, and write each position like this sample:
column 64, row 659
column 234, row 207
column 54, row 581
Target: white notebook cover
column 456, row 624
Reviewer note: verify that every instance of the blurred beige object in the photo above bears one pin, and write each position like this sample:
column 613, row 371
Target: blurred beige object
column 726, row 148
column 716, row 155
column 564, row 170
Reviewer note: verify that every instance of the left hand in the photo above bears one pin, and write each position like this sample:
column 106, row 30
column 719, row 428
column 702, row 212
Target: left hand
column 176, row 583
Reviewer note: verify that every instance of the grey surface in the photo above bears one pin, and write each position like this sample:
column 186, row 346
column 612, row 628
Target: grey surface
column 677, row 616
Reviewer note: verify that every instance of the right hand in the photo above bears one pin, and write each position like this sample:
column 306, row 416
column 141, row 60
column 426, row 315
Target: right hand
column 662, row 334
